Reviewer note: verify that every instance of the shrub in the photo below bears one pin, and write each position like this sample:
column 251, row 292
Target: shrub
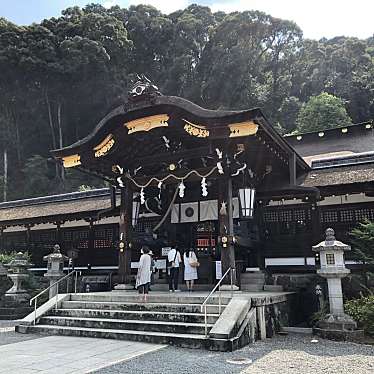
column 362, row 311
column 5, row 258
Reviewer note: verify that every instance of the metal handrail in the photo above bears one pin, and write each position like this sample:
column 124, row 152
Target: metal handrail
column 35, row 298
column 218, row 285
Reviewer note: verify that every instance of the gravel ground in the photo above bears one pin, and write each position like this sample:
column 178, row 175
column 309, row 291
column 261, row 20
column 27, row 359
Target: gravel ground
column 282, row 354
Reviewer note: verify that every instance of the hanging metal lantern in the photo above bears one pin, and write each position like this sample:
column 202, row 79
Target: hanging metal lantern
column 247, row 202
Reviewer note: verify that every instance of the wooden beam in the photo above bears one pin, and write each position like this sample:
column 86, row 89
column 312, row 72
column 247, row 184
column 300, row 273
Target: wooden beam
column 125, row 236
column 170, row 157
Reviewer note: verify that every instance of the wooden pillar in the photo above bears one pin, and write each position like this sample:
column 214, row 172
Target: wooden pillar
column 226, row 226
column 28, row 237
column 125, row 235
column 316, row 223
column 2, row 238
column 91, row 241
column 292, row 168
column 259, row 219
column 58, row 233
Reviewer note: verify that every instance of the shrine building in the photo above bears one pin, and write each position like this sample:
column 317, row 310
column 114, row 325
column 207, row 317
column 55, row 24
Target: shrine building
column 222, row 182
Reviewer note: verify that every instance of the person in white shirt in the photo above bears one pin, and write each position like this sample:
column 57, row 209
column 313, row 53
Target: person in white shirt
column 190, row 268
column 143, row 277
column 174, row 261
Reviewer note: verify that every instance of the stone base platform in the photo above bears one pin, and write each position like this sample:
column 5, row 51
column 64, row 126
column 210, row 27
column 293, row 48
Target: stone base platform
column 227, row 323
column 10, row 310
column 340, row 335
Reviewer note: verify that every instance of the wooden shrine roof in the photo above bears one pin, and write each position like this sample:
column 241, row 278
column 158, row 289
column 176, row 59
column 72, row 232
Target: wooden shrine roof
column 340, row 175
column 132, row 136
column 58, row 207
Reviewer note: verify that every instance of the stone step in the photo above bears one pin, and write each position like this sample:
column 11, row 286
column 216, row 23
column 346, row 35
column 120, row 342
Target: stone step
column 175, row 298
column 252, row 287
column 273, row 288
column 136, row 306
column 19, row 310
column 181, row 340
column 118, row 324
column 252, row 276
column 253, row 281
column 14, row 313
column 137, row 315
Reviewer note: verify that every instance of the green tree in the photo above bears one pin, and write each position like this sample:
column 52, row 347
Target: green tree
column 363, row 246
column 363, row 241
column 322, row 112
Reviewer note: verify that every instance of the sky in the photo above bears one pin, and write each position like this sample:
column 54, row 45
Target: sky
column 317, row 18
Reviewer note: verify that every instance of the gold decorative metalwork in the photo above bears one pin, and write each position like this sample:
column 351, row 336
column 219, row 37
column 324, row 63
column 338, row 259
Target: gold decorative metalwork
column 242, row 129
column 104, row 147
column 71, row 161
column 147, row 123
column 196, row 130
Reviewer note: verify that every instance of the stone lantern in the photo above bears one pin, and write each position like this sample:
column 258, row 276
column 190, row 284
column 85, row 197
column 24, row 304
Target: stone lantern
column 337, row 324
column 3, row 271
column 17, row 273
column 55, row 268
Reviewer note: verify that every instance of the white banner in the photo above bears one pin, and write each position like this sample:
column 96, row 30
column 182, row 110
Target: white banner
column 165, row 251
column 199, row 211
column 218, row 270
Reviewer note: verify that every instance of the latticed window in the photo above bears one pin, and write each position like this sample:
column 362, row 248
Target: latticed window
column 145, row 225
column 101, row 243
column 330, row 216
column 330, row 259
column 270, row 216
column 285, row 216
column 362, row 214
column 347, row 215
column 299, row 215
column 82, row 234
column 48, row 236
column 67, row 236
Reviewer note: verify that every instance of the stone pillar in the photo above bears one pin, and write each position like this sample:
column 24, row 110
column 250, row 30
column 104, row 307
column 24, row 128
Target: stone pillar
column 261, row 322
column 335, row 296
column 17, row 273
column 336, row 325
column 55, row 266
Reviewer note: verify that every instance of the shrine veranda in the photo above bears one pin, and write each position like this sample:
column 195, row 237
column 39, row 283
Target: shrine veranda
column 176, row 170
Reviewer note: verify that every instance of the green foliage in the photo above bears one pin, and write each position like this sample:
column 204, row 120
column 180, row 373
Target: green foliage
column 362, row 311
column 319, row 316
column 5, row 258
column 60, row 77
column 363, row 241
column 322, row 112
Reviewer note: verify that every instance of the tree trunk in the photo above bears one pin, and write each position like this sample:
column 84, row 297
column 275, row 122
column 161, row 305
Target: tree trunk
column 5, row 187
column 60, row 138
column 52, row 128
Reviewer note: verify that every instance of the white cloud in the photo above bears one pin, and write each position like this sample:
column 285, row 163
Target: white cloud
column 165, row 6
column 109, row 3
column 317, row 18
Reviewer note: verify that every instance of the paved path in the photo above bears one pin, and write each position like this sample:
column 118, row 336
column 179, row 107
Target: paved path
column 64, row 354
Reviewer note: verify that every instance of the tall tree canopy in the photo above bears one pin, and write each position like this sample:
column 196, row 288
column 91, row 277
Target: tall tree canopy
column 321, row 112
column 60, row 77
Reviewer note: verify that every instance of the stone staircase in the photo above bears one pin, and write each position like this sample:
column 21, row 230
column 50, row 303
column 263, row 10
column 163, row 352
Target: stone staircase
column 164, row 319
column 255, row 282
column 10, row 310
